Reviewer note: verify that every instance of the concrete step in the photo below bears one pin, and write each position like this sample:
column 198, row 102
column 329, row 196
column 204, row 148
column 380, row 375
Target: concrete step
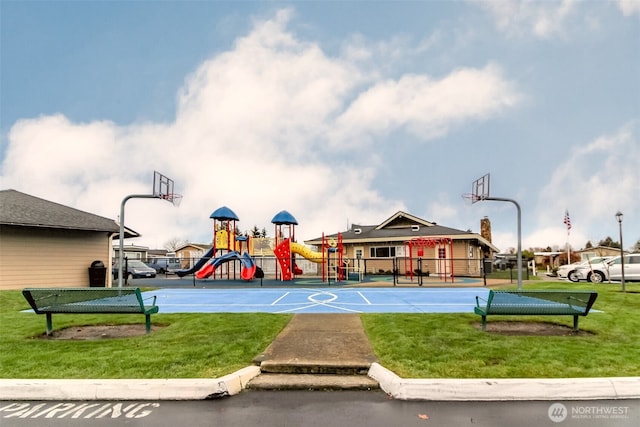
column 314, row 367
column 312, row 382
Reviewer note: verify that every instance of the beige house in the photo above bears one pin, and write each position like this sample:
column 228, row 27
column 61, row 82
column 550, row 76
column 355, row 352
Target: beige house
column 597, row 251
column 46, row 244
column 190, row 253
column 406, row 239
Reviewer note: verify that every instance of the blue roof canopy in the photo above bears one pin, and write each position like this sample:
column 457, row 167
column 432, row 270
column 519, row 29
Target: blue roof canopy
column 224, row 214
column 284, row 217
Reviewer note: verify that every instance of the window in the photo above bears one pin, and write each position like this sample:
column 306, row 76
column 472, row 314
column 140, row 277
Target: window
column 382, row 252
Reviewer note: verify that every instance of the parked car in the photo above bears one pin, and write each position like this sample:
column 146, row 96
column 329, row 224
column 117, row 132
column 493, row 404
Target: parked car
column 563, row 270
column 135, row 269
column 611, row 270
column 631, row 268
column 574, row 272
column 165, row 265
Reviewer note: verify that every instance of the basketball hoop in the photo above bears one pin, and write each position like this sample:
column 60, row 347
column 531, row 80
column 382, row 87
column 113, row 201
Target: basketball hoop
column 471, row 198
column 174, row 198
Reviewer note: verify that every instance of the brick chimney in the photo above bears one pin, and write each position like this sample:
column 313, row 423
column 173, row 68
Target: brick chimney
column 485, row 228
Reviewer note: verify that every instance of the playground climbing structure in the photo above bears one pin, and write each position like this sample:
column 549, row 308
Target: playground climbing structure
column 443, row 249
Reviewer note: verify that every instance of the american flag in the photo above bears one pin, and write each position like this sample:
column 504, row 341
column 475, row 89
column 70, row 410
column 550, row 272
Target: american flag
column 567, row 220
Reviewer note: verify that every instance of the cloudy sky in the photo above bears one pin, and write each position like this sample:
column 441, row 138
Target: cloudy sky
column 339, row 112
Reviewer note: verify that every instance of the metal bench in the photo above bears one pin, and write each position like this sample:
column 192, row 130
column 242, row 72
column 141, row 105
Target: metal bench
column 541, row 302
column 88, row 301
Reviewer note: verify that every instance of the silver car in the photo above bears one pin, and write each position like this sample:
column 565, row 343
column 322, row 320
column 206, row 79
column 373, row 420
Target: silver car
column 135, row 269
column 580, row 271
column 595, row 270
column 631, row 268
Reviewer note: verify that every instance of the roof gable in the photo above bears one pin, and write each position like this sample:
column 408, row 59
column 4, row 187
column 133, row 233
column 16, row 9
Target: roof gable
column 20, row 209
column 403, row 220
column 402, row 227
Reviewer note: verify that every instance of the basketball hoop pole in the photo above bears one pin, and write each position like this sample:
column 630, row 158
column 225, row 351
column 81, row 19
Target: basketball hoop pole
column 162, row 189
column 121, row 238
column 519, row 250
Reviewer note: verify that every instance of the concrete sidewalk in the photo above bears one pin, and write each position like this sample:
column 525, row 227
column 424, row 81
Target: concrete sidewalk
column 323, row 351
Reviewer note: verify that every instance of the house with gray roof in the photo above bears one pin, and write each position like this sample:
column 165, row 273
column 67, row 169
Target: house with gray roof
column 47, row 244
column 405, row 239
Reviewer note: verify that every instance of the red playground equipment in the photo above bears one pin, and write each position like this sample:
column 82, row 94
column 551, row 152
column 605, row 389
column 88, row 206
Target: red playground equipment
column 443, row 263
column 227, row 240
column 333, row 246
column 286, row 249
column 285, row 232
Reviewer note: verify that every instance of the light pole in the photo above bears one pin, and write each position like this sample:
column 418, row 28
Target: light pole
column 619, row 217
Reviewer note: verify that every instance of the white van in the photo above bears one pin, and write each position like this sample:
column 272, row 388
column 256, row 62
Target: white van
column 164, row 265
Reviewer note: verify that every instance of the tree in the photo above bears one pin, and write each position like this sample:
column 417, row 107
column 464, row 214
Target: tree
column 636, row 248
column 255, row 232
column 528, row 254
column 173, row 244
column 588, row 245
column 609, row 242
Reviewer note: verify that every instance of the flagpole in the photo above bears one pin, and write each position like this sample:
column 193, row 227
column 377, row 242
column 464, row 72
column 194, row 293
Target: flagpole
column 567, row 222
column 568, row 250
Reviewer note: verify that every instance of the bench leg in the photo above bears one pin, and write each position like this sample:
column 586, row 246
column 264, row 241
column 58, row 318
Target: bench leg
column 148, row 322
column 575, row 323
column 484, row 323
column 49, row 324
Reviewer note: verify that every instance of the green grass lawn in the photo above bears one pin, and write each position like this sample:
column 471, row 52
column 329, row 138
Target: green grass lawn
column 412, row 345
column 188, row 346
column 450, row 346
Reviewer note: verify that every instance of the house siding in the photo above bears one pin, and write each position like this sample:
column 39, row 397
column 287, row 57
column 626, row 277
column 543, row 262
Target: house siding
column 463, row 264
column 45, row 257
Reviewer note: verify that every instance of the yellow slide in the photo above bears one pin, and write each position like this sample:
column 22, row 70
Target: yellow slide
column 305, row 252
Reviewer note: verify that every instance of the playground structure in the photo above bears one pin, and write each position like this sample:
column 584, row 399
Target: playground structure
column 229, row 243
column 443, row 264
column 286, row 248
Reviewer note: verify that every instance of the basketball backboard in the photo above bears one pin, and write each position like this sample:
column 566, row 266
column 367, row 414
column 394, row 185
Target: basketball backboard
column 162, row 185
column 163, row 188
column 480, row 188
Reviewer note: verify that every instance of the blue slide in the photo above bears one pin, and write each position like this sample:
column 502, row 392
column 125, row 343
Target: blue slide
column 248, row 266
column 197, row 266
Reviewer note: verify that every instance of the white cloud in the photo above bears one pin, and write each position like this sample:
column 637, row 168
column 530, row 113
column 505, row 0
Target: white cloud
column 542, row 19
column 423, row 106
column 251, row 134
column 594, row 182
column 629, row 7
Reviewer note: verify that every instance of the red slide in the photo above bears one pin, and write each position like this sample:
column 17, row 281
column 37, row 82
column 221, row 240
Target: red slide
column 206, row 271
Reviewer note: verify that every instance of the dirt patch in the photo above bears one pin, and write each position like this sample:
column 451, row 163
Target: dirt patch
column 531, row 329
column 100, row 332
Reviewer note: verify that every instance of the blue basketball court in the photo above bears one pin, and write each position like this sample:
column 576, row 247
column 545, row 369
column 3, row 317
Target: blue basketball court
column 318, row 300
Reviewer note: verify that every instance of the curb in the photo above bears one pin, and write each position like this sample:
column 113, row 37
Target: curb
column 399, row 388
column 147, row 389
column 508, row 389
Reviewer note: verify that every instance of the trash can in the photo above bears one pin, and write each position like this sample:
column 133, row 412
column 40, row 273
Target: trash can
column 97, row 275
column 487, row 266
